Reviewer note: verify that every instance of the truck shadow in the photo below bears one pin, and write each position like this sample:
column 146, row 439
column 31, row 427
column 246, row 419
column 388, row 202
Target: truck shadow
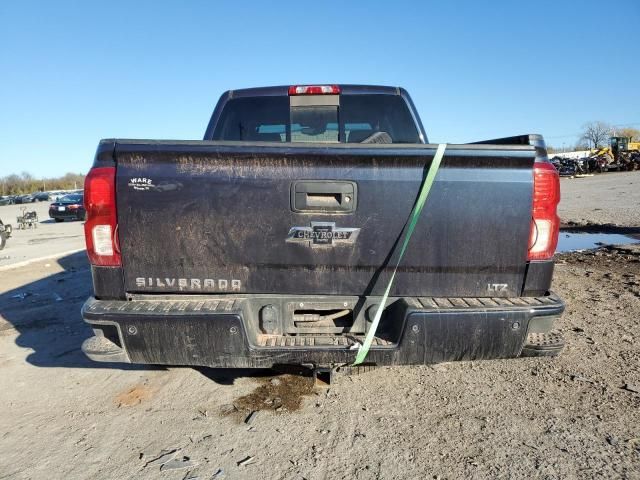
column 46, row 315
column 228, row 376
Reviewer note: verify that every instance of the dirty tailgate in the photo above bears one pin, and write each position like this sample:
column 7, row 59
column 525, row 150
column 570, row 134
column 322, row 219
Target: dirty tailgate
column 215, row 216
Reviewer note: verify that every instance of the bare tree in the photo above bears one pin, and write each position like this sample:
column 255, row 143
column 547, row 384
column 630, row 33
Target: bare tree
column 28, row 183
column 632, row 133
column 596, row 133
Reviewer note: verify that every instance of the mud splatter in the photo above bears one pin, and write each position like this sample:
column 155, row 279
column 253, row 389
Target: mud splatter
column 279, row 393
column 133, row 396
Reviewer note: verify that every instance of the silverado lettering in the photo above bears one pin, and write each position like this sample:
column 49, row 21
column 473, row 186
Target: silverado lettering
column 190, row 283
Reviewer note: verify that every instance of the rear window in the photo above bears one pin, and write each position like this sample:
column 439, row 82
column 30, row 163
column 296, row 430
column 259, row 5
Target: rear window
column 72, row 199
column 356, row 119
column 254, row 119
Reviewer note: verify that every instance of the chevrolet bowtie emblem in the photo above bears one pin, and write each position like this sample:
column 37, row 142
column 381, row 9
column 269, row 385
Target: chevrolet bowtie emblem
column 323, row 234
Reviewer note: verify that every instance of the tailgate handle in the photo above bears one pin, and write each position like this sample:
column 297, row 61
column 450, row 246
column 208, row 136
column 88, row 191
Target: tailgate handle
column 324, row 196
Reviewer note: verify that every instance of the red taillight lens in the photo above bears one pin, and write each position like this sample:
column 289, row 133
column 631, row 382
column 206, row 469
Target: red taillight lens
column 545, row 224
column 314, row 90
column 101, row 221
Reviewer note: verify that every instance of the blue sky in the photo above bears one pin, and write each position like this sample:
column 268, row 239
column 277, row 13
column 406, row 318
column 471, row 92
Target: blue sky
column 74, row 72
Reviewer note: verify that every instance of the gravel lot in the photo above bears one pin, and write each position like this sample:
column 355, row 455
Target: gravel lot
column 612, row 198
column 575, row 416
column 48, row 239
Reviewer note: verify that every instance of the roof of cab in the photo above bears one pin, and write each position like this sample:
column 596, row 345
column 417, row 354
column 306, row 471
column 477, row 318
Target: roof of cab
column 283, row 90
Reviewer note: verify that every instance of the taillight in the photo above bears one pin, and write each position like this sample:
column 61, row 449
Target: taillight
column 545, row 224
column 314, row 90
column 101, row 220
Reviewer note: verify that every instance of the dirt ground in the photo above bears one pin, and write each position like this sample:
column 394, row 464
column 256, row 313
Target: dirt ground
column 48, row 239
column 611, row 198
column 575, row 416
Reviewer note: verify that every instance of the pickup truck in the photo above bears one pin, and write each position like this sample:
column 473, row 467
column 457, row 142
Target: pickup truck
column 271, row 241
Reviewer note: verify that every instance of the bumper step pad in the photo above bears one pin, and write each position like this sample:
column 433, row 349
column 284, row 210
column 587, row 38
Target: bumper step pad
column 307, row 341
column 429, row 303
column 547, row 344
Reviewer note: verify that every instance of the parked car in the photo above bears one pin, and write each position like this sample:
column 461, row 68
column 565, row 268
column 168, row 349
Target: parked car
column 6, row 200
column 26, row 198
column 69, row 207
column 42, row 196
column 56, row 195
column 275, row 240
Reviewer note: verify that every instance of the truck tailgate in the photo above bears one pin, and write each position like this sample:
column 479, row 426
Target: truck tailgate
column 217, row 217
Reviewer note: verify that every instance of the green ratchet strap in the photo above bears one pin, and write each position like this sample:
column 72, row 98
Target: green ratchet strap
column 413, row 220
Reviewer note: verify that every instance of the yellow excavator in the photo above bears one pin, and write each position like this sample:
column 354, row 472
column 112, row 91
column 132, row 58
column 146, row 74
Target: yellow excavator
column 621, row 154
column 623, row 144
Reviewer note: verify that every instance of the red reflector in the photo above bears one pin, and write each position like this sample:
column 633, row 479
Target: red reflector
column 314, row 90
column 545, row 224
column 100, row 227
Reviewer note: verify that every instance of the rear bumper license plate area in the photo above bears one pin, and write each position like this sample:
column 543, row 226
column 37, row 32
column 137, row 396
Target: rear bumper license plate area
column 229, row 332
